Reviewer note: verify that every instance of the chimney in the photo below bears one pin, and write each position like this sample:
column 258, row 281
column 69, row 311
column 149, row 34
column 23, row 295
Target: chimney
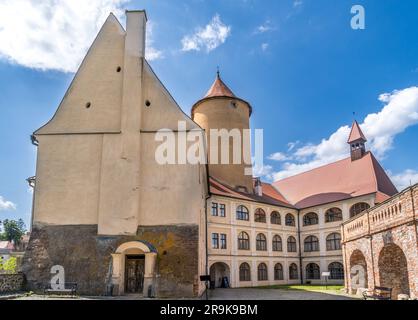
column 135, row 33
column 258, row 188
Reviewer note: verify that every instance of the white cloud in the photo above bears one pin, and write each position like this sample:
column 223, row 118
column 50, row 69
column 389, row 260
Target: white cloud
column 278, row 156
column 210, row 37
column 399, row 112
column 297, row 3
column 6, row 205
column 152, row 53
column 404, row 179
column 264, row 46
column 51, row 34
column 265, row 27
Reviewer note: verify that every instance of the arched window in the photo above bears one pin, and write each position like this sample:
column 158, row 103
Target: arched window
column 262, row 272
column 334, row 242
column 291, row 244
column 290, row 220
column 275, row 218
column 310, row 219
column 358, row 208
column 260, row 216
column 337, row 271
column 333, row 214
column 261, row 242
column 242, row 213
column 293, row 272
column 277, row 243
column 244, row 272
column 311, row 243
column 312, row 271
column 243, row 241
column 278, row 271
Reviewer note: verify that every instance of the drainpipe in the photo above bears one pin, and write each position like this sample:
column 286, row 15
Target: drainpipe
column 300, row 250
column 206, row 214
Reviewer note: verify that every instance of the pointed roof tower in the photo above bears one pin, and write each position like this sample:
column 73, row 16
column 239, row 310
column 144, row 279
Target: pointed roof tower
column 356, row 133
column 219, row 89
column 357, row 141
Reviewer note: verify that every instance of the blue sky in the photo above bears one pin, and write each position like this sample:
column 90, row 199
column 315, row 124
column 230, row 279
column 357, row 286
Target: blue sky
column 299, row 63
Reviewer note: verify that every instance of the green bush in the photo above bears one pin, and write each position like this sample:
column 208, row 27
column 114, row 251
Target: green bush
column 9, row 266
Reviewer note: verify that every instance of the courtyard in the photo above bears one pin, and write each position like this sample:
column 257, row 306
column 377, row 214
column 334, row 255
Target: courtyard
column 292, row 292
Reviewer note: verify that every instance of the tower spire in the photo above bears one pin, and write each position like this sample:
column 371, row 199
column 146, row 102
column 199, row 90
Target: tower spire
column 357, row 141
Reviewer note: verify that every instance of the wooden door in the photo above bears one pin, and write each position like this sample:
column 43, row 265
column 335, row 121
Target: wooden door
column 134, row 274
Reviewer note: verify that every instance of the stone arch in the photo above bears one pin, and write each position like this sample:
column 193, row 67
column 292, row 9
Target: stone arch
column 358, row 270
column 218, row 271
column 393, row 269
column 134, row 248
column 142, row 246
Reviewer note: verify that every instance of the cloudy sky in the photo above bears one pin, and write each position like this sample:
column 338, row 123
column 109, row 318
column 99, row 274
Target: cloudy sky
column 298, row 62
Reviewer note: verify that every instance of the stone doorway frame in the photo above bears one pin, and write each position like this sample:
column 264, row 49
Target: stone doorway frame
column 118, row 264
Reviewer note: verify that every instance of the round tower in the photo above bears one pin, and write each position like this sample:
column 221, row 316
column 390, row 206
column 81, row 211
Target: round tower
column 225, row 117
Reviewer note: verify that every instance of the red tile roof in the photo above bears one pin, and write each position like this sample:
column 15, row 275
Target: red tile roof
column 270, row 195
column 219, row 89
column 337, row 181
column 356, row 133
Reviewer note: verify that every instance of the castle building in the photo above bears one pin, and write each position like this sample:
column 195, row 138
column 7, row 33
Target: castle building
column 119, row 222
column 288, row 231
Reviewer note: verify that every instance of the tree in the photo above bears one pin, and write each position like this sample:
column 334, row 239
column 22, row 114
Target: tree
column 13, row 230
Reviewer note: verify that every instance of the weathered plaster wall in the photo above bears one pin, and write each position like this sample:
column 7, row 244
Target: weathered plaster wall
column 86, row 257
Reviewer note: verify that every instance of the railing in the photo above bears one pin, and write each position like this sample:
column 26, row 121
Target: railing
column 393, row 212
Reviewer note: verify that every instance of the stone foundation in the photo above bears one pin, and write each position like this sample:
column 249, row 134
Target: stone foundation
column 11, row 282
column 86, row 257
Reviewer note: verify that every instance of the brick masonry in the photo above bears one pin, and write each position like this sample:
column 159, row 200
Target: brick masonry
column 11, row 282
column 86, row 257
column 384, row 240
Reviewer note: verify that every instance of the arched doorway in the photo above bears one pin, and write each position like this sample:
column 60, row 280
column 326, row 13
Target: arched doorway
column 219, row 271
column 393, row 269
column 133, row 268
column 358, row 270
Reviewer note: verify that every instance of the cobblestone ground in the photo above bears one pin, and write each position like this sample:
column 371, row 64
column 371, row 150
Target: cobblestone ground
column 229, row 294
column 275, row 294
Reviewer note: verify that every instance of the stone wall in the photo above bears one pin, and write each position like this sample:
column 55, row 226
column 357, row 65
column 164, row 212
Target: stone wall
column 386, row 236
column 86, row 257
column 11, row 282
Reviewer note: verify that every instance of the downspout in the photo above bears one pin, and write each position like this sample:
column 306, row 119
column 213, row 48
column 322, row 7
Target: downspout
column 300, row 250
column 206, row 213
column 35, row 142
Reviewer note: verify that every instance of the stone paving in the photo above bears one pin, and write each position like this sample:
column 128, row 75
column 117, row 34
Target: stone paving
column 276, row 294
column 227, row 294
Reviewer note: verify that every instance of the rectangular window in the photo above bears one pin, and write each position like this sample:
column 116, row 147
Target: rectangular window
column 214, row 209
column 222, row 210
column 223, row 241
column 215, row 241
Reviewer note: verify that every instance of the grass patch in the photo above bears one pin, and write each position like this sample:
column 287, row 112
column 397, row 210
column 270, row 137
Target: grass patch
column 311, row 287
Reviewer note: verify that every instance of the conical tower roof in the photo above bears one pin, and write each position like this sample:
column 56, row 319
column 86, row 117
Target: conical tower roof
column 219, row 89
column 356, row 133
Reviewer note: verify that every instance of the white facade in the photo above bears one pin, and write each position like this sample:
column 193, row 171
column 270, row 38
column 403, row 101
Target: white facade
column 226, row 262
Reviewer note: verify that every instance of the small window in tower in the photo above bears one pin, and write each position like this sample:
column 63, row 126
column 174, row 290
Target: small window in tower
column 88, row 105
column 233, row 104
column 118, row 69
column 147, row 103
